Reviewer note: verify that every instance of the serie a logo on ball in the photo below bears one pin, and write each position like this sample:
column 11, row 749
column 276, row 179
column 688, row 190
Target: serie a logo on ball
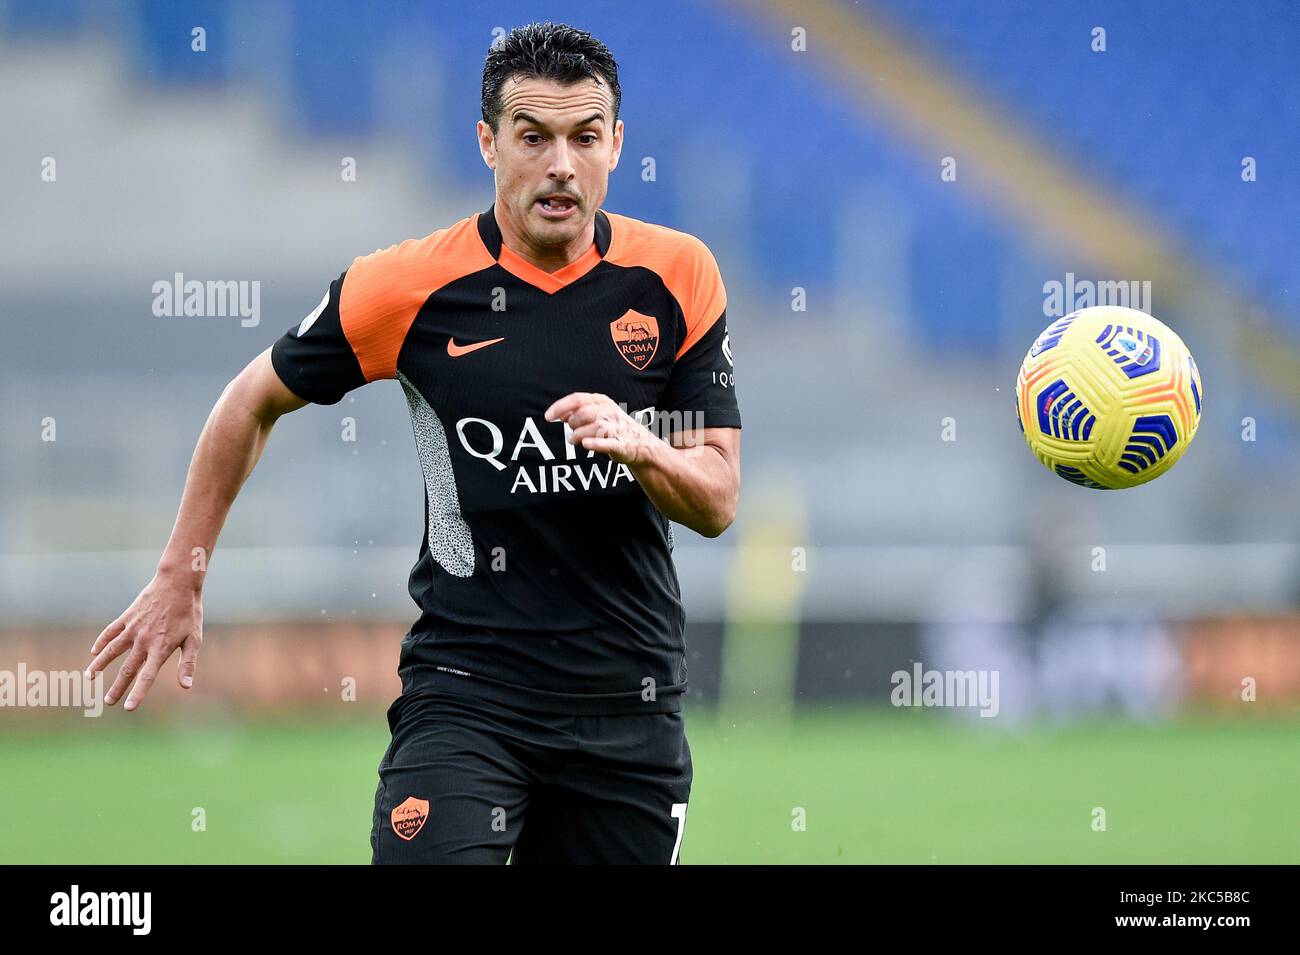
column 1108, row 397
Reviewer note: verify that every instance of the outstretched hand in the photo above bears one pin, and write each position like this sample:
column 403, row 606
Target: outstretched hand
column 166, row 616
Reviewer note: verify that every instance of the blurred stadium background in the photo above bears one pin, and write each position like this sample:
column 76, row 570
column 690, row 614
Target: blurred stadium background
column 874, row 295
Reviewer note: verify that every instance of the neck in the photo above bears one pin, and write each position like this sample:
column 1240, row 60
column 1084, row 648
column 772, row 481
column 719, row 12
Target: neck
column 547, row 258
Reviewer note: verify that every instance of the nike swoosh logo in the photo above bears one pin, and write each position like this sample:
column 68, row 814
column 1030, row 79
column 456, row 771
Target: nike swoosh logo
column 455, row 351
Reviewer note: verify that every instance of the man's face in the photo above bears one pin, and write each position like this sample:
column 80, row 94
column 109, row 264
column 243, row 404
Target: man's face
column 552, row 153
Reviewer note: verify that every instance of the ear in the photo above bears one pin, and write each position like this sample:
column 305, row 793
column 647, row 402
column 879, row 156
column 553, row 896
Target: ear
column 618, row 145
column 487, row 144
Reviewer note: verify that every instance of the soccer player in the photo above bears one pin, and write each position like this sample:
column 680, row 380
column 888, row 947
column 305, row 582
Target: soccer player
column 569, row 378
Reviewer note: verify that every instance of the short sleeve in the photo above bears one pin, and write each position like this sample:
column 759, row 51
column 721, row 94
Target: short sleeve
column 314, row 359
column 701, row 388
column 356, row 332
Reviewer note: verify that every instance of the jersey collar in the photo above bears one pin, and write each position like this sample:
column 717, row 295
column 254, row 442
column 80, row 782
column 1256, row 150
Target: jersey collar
column 522, row 269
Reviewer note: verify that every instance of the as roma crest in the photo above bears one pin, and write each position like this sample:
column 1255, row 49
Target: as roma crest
column 409, row 817
column 636, row 337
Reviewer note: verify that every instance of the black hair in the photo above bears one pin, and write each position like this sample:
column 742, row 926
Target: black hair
column 549, row 50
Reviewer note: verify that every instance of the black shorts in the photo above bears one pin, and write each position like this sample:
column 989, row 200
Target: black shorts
column 467, row 780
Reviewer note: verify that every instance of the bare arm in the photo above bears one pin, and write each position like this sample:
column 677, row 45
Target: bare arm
column 168, row 613
column 695, row 481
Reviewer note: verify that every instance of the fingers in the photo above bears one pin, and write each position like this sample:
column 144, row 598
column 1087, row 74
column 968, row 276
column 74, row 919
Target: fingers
column 608, row 446
column 563, row 409
column 125, row 675
column 168, row 615
column 189, row 660
column 620, row 428
column 148, row 673
column 140, row 669
column 119, row 644
column 108, row 634
column 608, row 419
column 597, row 424
column 600, row 428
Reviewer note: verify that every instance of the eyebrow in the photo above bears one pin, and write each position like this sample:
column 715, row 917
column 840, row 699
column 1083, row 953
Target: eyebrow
column 522, row 117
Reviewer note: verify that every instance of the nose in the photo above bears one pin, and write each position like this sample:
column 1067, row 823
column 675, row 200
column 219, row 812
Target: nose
column 561, row 170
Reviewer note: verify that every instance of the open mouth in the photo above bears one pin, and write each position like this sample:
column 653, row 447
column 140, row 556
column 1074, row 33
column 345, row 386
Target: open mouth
column 557, row 207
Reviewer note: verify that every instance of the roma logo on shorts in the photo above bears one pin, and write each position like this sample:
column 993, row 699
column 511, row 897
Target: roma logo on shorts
column 636, row 337
column 408, row 818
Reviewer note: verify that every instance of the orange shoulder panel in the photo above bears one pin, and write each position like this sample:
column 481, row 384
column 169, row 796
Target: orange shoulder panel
column 382, row 292
column 685, row 264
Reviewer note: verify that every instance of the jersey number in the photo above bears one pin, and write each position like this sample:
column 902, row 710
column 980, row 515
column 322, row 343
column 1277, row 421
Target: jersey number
column 679, row 813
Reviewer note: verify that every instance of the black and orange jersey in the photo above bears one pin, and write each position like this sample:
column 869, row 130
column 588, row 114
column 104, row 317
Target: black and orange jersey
column 545, row 576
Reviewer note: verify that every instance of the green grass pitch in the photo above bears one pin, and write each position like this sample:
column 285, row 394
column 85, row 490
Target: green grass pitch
column 870, row 786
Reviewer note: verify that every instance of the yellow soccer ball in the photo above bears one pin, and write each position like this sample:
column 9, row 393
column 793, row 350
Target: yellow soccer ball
column 1108, row 397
